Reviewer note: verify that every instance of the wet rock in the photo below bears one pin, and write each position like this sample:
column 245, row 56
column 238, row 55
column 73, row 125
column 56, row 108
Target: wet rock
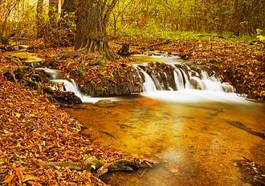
column 91, row 163
column 228, row 88
column 22, row 48
column 251, row 172
column 196, row 84
column 116, row 82
column 54, row 87
column 66, row 98
column 124, row 50
column 163, row 75
column 105, row 103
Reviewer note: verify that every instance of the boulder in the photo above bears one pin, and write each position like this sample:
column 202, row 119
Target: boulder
column 66, row 98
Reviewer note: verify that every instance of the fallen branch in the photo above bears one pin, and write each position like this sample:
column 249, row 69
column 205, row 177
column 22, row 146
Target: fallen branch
column 124, row 165
column 92, row 164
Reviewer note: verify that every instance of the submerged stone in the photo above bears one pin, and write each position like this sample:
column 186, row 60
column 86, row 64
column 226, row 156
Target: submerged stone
column 105, row 103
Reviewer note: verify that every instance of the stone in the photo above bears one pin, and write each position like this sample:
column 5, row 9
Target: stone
column 22, row 48
column 27, row 58
column 66, row 98
column 124, row 50
column 105, row 103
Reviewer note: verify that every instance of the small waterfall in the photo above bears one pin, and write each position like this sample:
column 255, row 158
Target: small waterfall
column 70, row 86
column 172, row 77
column 178, row 79
column 52, row 73
column 148, row 84
column 157, row 78
column 186, row 79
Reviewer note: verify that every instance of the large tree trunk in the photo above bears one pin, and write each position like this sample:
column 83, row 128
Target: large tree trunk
column 92, row 18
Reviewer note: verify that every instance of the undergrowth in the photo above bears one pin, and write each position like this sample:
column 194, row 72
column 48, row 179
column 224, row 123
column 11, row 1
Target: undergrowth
column 153, row 33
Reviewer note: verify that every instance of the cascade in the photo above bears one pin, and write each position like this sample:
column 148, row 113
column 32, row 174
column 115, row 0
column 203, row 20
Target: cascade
column 70, row 85
column 156, row 77
column 160, row 75
column 148, row 84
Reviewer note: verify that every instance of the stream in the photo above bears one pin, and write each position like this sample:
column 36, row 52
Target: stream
column 195, row 126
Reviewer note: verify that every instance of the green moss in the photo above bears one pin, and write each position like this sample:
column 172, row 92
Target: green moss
column 98, row 89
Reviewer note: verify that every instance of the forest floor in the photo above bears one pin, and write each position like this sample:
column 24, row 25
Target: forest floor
column 35, row 134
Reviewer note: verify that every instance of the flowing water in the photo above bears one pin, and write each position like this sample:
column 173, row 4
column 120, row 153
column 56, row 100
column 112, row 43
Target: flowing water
column 195, row 142
column 196, row 127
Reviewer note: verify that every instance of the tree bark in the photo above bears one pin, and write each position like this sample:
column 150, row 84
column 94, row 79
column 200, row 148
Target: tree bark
column 53, row 12
column 92, row 19
column 39, row 18
column 69, row 6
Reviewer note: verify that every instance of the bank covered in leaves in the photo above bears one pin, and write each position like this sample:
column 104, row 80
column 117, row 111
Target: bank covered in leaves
column 97, row 76
column 41, row 145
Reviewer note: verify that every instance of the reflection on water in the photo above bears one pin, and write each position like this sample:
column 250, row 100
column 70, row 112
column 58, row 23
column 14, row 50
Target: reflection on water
column 193, row 141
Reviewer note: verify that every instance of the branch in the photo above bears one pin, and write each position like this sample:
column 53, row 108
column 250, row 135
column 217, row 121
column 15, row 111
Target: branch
column 109, row 9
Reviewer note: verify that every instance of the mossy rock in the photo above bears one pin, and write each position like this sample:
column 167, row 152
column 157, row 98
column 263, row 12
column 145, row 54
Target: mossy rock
column 91, row 163
column 26, row 58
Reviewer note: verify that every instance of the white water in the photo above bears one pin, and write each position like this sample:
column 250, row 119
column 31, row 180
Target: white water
column 183, row 82
column 193, row 95
column 149, row 84
column 206, row 88
column 71, row 86
column 54, row 74
column 187, row 82
column 179, row 79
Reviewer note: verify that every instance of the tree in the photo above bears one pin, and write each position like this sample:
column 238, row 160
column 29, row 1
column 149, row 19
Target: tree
column 39, row 18
column 69, row 6
column 92, row 19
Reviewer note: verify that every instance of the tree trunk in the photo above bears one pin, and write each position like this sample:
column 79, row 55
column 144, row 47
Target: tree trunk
column 53, row 12
column 39, row 18
column 69, row 6
column 92, row 18
column 115, row 25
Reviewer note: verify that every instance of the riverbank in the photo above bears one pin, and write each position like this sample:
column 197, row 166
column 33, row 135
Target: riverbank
column 240, row 64
column 42, row 145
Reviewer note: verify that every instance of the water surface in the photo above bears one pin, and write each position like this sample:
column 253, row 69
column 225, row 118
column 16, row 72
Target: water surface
column 196, row 142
